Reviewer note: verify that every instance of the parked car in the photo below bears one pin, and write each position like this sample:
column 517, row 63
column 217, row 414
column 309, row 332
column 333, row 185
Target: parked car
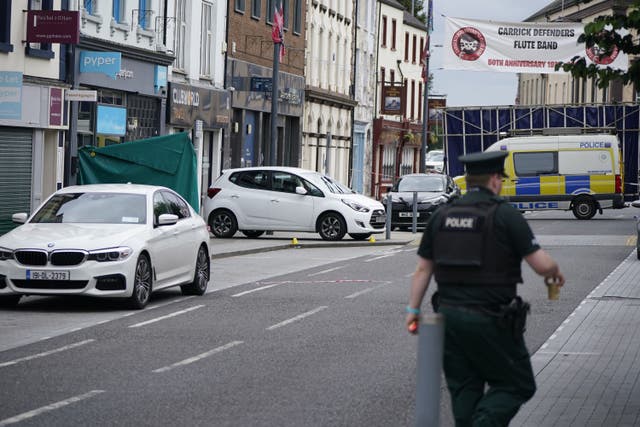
column 435, row 160
column 106, row 240
column 256, row 199
column 432, row 190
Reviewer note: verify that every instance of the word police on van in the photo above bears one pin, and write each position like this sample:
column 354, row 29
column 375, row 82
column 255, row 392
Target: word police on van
column 581, row 173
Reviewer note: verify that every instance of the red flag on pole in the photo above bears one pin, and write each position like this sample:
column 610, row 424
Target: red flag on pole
column 277, row 33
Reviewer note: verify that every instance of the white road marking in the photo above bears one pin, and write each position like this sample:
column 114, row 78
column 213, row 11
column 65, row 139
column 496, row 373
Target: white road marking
column 357, row 294
column 175, row 313
column 257, row 289
column 298, row 317
column 379, row 257
column 46, row 353
column 199, row 357
column 326, row 271
column 48, row 408
column 569, row 353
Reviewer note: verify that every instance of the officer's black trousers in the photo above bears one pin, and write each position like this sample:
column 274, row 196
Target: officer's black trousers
column 480, row 350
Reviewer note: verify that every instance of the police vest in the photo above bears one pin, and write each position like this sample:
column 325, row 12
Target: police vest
column 466, row 251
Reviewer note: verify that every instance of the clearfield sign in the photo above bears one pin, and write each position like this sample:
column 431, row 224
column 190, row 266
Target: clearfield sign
column 53, row 26
column 520, row 47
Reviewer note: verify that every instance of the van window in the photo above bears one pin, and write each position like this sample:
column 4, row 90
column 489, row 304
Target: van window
column 585, row 162
column 535, row 163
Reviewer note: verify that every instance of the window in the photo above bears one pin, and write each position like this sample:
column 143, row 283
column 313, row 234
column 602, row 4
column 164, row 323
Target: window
column 393, row 34
column 420, row 100
column 535, row 163
column 206, row 39
column 413, row 50
column 413, row 99
column 384, row 32
column 255, row 8
column 406, row 47
column 181, row 34
column 285, row 11
column 392, row 76
column 143, row 19
column 176, row 205
column 252, row 179
column 421, row 46
column 5, row 26
column 239, row 6
column 89, row 6
column 118, row 10
column 271, row 8
column 297, row 17
column 40, row 50
column 382, row 75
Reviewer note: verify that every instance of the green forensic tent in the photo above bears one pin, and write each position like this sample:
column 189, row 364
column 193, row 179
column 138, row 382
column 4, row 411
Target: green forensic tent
column 168, row 160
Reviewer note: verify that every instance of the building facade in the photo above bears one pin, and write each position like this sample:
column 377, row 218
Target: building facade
column 563, row 88
column 365, row 93
column 249, row 69
column 197, row 101
column 329, row 101
column 397, row 128
column 32, row 115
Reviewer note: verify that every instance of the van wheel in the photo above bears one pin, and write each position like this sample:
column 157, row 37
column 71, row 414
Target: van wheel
column 584, row 208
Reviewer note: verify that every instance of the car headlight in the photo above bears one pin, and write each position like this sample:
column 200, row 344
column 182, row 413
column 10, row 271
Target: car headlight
column 110, row 254
column 5, row 254
column 355, row 206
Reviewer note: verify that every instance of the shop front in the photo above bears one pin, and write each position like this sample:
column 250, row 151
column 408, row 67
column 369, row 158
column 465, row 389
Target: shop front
column 32, row 125
column 250, row 140
column 204, row 112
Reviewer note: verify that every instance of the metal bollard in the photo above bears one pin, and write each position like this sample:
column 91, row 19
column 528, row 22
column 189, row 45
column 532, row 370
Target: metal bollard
column 414, row 218
column 388, row 219
column 430, row 352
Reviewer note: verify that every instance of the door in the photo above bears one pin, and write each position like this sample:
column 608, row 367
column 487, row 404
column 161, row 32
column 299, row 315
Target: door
column 357, row 183
column 15, row 174
column 185, row 233
column 288, row 210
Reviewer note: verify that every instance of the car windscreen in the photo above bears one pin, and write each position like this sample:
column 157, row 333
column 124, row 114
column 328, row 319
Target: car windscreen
column 101, row 208
column 420, row 183
column 334, row 186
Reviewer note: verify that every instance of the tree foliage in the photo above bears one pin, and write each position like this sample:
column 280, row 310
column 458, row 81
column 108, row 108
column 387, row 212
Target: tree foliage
column 602, row 32
column 418, row 8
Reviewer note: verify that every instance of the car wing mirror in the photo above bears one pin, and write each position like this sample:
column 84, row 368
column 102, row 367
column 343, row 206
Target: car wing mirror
column 167, row 219
column 301, row 190
column 19, row 218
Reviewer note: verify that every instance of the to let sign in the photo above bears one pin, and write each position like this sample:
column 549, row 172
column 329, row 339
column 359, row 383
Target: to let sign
column 53, row 26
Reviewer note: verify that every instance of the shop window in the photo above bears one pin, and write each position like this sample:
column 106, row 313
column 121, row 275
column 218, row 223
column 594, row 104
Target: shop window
column 5, row 26
column 40, row 50
column 143, row 115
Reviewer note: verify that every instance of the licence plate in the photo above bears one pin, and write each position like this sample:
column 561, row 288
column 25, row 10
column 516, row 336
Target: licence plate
column 407, row 214
column 48, row 275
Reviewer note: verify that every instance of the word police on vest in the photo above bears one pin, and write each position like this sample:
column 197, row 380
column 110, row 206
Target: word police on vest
column 464, row 223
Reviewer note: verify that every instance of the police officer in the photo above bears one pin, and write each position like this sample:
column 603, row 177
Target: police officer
column 474, row 246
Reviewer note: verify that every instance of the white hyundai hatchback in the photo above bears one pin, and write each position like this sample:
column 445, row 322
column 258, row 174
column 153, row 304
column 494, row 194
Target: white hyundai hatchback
column 256, row 199
column 106, row 240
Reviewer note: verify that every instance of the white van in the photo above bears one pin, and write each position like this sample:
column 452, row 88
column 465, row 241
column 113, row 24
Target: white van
column 582, row 173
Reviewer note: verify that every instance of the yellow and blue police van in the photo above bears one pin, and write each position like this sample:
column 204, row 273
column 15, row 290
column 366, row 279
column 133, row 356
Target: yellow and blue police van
column 581, row 173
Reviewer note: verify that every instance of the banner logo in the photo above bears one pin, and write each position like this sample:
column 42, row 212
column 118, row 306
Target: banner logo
column 468, row 44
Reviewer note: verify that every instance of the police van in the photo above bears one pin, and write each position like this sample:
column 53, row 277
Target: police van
column 581, row 173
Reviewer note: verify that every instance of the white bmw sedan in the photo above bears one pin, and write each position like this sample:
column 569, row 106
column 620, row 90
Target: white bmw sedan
column 256, row 199
column 106, row 240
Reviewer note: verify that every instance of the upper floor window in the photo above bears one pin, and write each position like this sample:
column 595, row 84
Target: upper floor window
column 255, row 8
column 181, row 34
column 118, row 11
column 406, row 47
column 144, row 14
column 384, row 32
column 285, row 11
column 206, row 39
column 89, row 6
column 413, row 51
column 239, row 6
column 5, row 26
column 40, row 50
column 393, row 34
column 297, row 16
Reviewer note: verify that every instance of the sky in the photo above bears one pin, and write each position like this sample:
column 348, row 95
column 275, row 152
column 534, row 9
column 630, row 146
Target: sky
column 467, row 88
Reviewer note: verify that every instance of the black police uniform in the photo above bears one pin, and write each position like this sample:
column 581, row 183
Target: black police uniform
column 477, row 244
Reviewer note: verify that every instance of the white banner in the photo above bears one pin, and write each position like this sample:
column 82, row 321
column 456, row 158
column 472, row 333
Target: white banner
column 519, row 47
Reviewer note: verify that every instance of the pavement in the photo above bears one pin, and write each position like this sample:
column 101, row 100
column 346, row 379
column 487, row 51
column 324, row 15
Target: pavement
column 587, row 373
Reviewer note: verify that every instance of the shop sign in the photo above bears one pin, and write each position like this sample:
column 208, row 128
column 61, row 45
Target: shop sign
column 392, row 100
column 107, row 63
column 55, row 106
column 186, row 104
column 10, row 95
column 111, row 120
column 81, row 95
column 53, row 26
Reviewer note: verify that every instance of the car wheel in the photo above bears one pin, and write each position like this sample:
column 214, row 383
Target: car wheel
column 201, row 275
column 9, row 301
column 252, row 234
column 584, row 208
column 141, row 284
column 223, row 223
column 332, row 227
column 359, row 236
